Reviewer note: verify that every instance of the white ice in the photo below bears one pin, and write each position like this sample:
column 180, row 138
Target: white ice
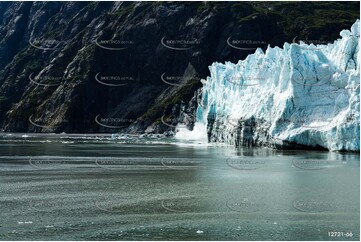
column 300, row 93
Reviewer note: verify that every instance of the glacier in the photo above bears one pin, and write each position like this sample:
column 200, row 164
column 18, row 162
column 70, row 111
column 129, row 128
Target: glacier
column 299, row 96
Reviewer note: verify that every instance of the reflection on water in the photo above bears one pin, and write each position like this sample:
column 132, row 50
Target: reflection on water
column 91, row 187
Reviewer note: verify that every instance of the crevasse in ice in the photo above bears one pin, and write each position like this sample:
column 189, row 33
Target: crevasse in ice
column 300, row 94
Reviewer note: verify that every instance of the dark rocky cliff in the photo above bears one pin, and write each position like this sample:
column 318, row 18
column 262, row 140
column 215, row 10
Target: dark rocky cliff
column 135, row 66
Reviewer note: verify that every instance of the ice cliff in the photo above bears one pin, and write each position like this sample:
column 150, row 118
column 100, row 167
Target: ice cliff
column 301, row 95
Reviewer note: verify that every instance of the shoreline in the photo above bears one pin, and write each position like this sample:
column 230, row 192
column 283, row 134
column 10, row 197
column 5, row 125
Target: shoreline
column 124, row 136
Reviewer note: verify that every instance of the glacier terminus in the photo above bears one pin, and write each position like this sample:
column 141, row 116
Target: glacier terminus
column 299, row 96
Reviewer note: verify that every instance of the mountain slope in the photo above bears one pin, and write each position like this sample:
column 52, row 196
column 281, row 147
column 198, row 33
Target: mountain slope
column 135, row 67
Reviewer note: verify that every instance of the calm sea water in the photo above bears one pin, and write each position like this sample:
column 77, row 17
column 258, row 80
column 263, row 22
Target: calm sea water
column 90, row 187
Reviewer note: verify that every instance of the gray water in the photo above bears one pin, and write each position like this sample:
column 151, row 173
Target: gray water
column 90, row 187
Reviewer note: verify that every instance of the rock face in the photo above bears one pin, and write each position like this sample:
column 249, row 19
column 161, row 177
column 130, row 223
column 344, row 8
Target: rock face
column 297, row 96
column 131, row 66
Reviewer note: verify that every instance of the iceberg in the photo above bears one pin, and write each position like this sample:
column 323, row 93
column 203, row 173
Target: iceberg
column 301, row 95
